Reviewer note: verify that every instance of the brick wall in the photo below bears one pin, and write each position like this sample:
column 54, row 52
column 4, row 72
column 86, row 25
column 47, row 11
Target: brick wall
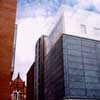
column 7, row 23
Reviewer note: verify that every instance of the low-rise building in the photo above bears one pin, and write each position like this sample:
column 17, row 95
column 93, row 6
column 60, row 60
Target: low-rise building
column 30, row 83
column 18, row 89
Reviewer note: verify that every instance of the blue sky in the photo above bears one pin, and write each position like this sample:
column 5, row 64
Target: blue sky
column 34, row 8
column 34, row 18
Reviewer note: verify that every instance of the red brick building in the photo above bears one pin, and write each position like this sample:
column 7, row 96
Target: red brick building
column 7, row 24
column 30, row 83
column 18, row 89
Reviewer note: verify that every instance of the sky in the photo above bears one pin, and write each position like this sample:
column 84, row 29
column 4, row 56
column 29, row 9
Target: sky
column 34, row 18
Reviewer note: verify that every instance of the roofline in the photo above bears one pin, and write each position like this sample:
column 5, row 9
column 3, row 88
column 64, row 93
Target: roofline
column 80, row 37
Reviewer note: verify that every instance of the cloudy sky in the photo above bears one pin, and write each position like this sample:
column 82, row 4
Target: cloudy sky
column 34, row 18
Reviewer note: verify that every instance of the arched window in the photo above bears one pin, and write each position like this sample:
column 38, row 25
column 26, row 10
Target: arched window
column 15, row 96
column 19, row 96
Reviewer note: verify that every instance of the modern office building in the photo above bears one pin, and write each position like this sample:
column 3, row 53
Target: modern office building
column 30, row 83
column 72, row 58
column 14, row 50
column 7, row 24
column 72, row 69
column 39, row 69
column 67, row 61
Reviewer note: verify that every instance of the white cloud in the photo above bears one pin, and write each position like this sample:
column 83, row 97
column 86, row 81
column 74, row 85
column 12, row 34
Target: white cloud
column 94, row 5
column 28, row 32
column 83, row 4
column 97, row 4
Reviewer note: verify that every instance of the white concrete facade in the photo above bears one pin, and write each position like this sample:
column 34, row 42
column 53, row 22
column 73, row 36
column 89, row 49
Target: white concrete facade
column 79, row 23
column 82, row 23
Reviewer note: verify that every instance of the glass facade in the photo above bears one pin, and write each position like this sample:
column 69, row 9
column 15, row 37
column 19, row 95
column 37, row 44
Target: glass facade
column 81, row 67
column 39, row 69
column 72, row 69
column 54, row 80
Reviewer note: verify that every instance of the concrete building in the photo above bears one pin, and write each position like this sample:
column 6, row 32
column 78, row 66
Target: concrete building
column 39, row 69
column 14, row 50
column 72, row 69
column 7, row 24
column 82, row 23
column 79, row 22
column 18, row 89
column 30, row 83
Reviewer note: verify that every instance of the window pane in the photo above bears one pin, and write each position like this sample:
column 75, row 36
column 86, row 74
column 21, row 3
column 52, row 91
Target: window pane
column 19, row 96
column 15, row 96
column 83, row 29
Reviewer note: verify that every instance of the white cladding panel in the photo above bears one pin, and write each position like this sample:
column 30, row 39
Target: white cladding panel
column 74, row 22
column 82, row 23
